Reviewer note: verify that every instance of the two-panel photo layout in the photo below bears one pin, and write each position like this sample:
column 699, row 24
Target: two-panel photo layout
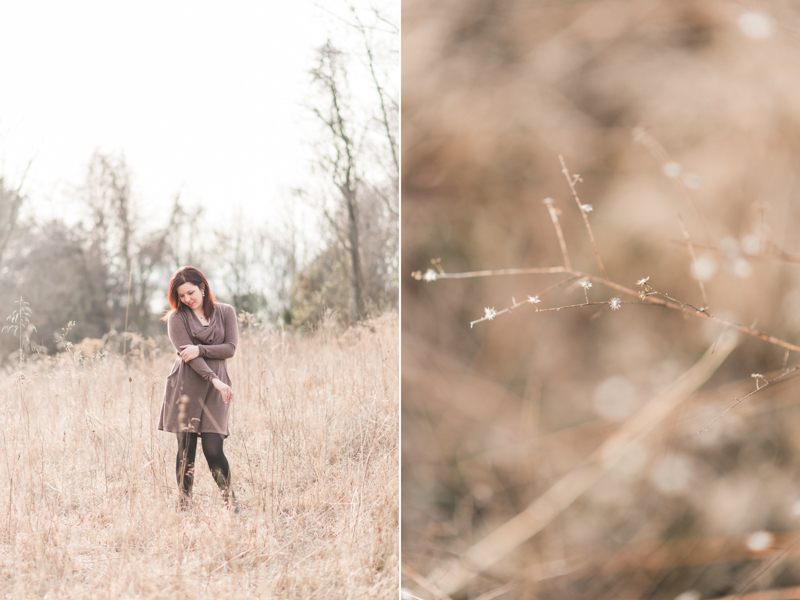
column 406, row 300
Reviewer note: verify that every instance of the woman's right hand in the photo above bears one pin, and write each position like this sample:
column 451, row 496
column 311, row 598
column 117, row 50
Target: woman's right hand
column 224, row 389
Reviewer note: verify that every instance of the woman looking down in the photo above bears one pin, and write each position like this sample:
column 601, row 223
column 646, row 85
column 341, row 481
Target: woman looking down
column 198, row 390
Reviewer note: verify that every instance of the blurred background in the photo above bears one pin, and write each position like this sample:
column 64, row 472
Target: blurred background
column 257, row 144
column 664, row 108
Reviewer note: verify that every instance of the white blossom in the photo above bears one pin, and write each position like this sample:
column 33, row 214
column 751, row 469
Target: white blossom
column 490, row 313
column 586, row 284
column 586, row 208
column 643, row 281
column 615, row 303
column 534, row 299
column 430, row 275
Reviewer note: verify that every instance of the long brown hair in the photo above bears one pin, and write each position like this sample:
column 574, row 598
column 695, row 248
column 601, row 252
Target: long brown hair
column 194, row 276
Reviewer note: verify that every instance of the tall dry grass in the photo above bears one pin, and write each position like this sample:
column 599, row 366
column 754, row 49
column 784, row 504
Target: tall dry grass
column 88, row 487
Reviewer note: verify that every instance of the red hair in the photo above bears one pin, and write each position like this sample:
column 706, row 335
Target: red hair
column 193, row 276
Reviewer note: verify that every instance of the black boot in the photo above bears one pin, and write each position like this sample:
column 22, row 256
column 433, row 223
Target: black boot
column 185, row 483
column 229, row 498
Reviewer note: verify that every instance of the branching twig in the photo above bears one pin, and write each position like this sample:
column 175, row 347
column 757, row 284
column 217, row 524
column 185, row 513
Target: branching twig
column 647, row 294
column 535, row 300
column 572, row 180
column 650, row 297
column 738, row 401
column 419, row 275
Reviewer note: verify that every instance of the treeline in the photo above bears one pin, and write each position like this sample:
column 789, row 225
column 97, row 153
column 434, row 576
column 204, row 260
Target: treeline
column 107, row 269
column 111, row 267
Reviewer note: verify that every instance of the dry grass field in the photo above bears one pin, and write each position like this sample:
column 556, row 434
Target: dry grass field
column 89, row 497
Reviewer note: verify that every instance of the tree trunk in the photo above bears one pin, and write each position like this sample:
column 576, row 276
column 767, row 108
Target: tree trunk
column 356, row 304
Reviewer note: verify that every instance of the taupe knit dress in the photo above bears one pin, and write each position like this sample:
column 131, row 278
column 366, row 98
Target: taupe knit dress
column 191, row 403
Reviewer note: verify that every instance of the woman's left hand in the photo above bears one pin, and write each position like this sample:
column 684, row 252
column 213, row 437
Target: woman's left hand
column 189, row 352
column 224, row 389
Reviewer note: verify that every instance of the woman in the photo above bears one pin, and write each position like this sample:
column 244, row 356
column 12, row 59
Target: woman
column 198, row 390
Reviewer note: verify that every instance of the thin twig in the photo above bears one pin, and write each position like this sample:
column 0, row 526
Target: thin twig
column 532, row 300
column 738, row 401
column 694, row 257
column 548, row 202
column 571, row 181
column 605, row 303
column 419, row 275
column 700, row 312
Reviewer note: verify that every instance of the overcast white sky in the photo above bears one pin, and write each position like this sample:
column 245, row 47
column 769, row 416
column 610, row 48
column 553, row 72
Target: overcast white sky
column 203, row 98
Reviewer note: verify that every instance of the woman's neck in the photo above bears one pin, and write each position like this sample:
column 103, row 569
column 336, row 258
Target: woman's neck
column 198, row 312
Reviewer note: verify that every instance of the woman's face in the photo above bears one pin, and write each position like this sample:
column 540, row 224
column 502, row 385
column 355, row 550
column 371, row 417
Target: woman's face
column 190, row 295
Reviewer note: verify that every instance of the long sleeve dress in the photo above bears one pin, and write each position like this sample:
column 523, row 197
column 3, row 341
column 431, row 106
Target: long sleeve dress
column 191, row 403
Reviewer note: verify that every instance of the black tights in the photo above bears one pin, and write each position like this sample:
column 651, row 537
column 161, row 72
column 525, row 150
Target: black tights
column 212, row 449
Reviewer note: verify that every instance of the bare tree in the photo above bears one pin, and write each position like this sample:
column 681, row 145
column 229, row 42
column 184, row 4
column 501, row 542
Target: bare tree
column 240, row 258
column 10, row 202
column 134, row 259
column 151, row 266
column 340, row 163
column 282, row 265
column 107, row 196
column 357, row 185
column 183, row 243
column 388, row 99
column 256, row 266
